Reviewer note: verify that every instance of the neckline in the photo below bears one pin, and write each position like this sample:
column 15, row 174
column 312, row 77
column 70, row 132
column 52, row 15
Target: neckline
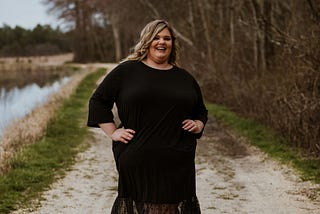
column 157, row 69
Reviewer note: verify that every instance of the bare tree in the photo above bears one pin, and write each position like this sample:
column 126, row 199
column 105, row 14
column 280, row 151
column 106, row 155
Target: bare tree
column 259, row 57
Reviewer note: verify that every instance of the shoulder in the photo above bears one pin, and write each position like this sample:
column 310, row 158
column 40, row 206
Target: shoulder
column 190, row 78
column 129, row 64
column 123, row 68
column 185, row 73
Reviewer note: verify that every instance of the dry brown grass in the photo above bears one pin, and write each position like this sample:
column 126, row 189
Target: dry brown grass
column 20, row 71
column 10, row 63
column 33, row 126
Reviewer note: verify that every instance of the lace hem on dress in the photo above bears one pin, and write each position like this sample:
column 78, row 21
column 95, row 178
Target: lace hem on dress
column 129, row 206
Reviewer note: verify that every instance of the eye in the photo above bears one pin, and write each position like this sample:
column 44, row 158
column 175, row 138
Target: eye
column 156, row 38
column 167, row 38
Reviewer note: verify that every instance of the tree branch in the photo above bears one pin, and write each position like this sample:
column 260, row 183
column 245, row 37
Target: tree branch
column 315, row 12
column 156, row 15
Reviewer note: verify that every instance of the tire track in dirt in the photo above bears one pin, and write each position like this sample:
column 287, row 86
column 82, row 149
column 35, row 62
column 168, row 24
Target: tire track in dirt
column 234, row 177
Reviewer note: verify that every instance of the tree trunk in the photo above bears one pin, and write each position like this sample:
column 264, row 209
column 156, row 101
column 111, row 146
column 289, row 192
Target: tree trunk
column 260, row 38
column 232, row 40
column 208, row 44
column 117, row 42
column 78, row 33
column 268, row 33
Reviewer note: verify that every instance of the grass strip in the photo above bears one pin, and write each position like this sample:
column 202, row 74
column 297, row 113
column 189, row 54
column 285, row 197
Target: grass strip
column 269, row 142
column 38, row 165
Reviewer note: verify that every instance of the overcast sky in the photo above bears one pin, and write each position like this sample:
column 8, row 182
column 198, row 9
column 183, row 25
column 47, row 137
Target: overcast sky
column 25, row 13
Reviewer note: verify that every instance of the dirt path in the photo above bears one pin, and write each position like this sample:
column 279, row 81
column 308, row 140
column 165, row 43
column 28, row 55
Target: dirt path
column 90, row 185
column 236, row 178
column 232, row 177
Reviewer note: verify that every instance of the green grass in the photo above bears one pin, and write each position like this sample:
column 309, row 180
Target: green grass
column 269, row 142
column 38, row 165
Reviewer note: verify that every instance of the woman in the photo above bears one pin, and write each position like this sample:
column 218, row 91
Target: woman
column 162, row 114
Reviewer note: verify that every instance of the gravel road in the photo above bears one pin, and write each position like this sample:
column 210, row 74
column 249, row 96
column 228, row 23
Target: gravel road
column 232, row 177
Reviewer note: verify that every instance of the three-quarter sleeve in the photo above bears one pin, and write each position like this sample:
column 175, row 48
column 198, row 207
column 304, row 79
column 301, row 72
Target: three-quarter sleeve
column 200, row 111
column 103, row 99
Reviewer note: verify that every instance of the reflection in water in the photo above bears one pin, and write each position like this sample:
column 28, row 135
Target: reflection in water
column 17, row 103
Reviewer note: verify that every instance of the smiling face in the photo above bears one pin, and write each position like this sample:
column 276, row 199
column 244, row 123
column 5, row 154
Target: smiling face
column 160, row 48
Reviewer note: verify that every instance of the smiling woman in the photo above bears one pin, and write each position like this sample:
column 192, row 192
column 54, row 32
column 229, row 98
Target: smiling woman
column 160, row 50
column 162, row 115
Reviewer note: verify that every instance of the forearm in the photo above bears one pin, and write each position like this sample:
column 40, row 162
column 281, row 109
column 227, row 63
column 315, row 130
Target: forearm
column 200, row 125
column 121, row 134
column 108, row 128
column 194, row 126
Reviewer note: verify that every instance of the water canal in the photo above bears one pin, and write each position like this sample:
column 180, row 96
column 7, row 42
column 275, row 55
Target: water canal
column 15, row 103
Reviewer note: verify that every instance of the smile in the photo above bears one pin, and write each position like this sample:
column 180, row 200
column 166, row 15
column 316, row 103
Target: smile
column 161, row 48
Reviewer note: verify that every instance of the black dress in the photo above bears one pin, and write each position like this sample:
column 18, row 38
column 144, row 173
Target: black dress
column 156, row 168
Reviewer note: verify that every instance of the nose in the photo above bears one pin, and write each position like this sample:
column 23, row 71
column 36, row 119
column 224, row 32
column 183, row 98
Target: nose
column 161, row 41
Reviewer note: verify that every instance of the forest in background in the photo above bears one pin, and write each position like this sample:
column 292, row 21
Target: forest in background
column 41, row 40
column 261, row 58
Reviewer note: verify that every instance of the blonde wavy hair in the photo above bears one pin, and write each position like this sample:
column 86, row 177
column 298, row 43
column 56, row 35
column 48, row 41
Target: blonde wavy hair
column 148, row 33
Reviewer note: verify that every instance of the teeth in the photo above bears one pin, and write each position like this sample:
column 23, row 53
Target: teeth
column 160, row 48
